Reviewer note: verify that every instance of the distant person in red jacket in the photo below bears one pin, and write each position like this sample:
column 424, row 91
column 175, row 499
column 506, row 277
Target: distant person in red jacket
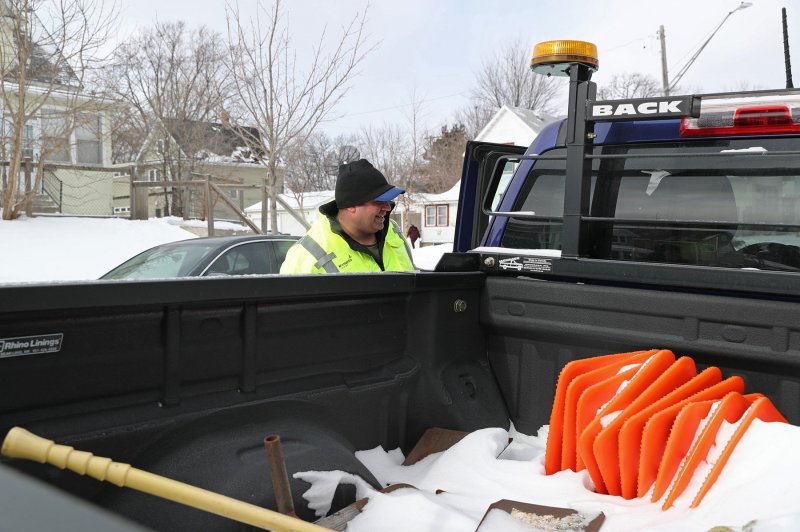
column 413, row 235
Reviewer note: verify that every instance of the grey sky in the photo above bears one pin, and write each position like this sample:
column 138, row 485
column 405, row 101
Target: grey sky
column 433, row 48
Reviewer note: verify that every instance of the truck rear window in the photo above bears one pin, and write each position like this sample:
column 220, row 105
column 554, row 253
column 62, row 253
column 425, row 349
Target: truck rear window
column 664, row 203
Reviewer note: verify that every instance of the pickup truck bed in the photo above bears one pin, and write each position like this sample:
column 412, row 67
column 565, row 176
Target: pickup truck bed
column 186, row 378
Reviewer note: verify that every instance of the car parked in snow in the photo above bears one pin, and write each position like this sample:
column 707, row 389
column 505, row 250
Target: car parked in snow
column 207, row 257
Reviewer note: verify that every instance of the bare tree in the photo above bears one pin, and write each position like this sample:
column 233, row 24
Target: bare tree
column 474, row 117
column 412, row 180
column 741, row 86
column 506, row 79
column 629, row 85
column 47, row 49
column 284, row 100
column 392, row 150
column 389, row 149
column 127, row 133
column 169, row 74
column 310, row 166
column 168, row 71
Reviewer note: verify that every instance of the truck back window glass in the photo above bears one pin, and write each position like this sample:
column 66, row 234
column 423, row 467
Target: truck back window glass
column 738, row 210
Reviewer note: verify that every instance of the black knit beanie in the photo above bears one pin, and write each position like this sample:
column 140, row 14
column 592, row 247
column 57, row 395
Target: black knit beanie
column 359, row 182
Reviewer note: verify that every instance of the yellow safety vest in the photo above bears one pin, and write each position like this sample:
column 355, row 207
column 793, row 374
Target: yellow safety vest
column 324, row 251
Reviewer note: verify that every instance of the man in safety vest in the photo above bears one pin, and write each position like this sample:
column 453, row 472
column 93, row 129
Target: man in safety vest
column 354, row 233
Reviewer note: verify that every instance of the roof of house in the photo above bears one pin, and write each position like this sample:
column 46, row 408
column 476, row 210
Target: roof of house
column 311, row 200
column 448, row 196
column 514, row 125
column 216, row 142
column 46, row 63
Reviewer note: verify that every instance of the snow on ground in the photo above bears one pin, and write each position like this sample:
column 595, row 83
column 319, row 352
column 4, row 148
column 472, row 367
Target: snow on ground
column 47, row 249
column 760, row 482
column 427, row 257
column 69, row 249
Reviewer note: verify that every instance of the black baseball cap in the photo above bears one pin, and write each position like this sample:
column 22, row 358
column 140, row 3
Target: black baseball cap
column 359, row 182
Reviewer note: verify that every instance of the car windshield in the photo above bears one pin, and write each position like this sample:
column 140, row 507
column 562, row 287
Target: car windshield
column 174, row 260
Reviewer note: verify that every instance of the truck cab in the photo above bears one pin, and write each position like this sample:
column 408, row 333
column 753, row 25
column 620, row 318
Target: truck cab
column 711, row 195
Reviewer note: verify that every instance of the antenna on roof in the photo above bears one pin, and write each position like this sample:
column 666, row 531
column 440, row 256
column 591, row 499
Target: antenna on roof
column 788, row 61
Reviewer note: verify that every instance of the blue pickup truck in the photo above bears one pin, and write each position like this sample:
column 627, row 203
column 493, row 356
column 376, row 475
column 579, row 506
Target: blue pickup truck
column 697, row 201
column 666, row 222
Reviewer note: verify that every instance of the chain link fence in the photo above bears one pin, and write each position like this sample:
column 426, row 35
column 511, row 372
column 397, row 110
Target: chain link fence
column 69, row 189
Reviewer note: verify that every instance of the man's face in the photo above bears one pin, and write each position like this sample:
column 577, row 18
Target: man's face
column 371, row 216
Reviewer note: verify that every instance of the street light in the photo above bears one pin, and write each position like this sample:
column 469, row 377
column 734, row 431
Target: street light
column 666, row 84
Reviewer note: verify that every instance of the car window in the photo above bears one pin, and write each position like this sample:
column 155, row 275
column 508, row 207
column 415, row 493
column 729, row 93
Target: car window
column 165, row 264
column 280, row 249
column 174, row 260
column 243, row 259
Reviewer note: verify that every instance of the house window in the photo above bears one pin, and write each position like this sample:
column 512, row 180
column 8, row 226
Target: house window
column 27, row 141
column 88, row 139
column 436, row 215
column 55, row 136
column 7, row 132
column 154, row 174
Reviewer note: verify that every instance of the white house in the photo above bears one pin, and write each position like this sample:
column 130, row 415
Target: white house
column 438, row 215
column 509, row 125
column 514, row 125
column 287, row 223
column 64, row 131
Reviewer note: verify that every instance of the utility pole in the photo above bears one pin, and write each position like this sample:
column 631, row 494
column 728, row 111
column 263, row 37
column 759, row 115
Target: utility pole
column 664, row 74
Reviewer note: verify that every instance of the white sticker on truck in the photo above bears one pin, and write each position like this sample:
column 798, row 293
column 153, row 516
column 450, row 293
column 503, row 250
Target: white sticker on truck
column 30, row 345
column 527, row 264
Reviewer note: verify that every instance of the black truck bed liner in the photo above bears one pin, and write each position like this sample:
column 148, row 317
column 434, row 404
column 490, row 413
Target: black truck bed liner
column 185, row 378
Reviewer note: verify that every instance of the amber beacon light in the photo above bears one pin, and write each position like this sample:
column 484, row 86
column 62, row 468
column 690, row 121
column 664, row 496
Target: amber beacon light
column 553, row 58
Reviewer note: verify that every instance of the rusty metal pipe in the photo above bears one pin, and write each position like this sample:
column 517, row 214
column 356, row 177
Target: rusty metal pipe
column 280, row 479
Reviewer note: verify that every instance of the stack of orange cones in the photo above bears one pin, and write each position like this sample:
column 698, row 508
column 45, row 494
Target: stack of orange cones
column 643, row 421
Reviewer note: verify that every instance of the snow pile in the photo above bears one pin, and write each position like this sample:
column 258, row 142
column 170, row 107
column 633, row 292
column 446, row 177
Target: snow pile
column 426, row 258
column 760, row 483
column 69, row 249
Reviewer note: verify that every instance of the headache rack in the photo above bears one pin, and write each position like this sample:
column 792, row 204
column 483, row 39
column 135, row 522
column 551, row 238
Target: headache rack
column 752, row 115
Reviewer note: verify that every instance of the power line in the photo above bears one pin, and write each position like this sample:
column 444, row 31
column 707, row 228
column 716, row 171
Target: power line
column 407, row 104
column 633, row 41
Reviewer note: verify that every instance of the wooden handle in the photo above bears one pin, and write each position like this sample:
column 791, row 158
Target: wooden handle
column 19, row 443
